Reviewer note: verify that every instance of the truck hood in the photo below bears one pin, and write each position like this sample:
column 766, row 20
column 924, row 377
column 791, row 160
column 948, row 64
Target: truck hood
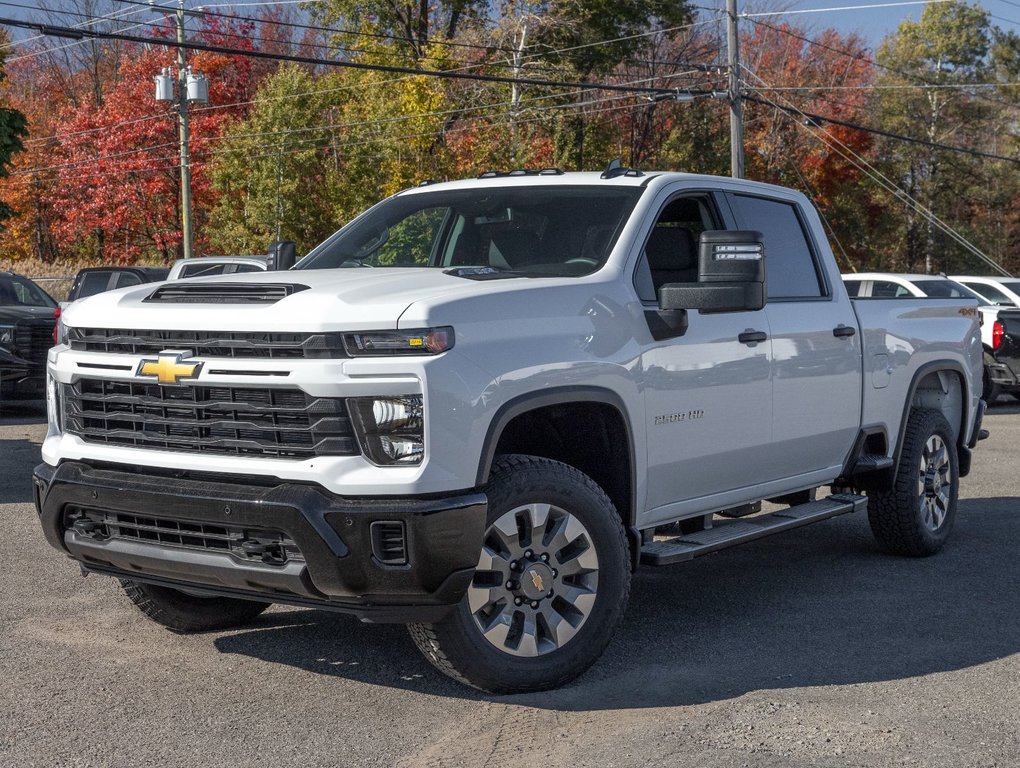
column 335, row 299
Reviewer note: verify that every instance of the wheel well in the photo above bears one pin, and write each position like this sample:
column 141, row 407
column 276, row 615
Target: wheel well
column 944, row 391
column 589, row 436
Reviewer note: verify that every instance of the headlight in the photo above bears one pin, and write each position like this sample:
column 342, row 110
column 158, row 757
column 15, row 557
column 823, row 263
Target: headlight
column 7, row 338
column 391, row 429
column 60, row 330
column 420, row 341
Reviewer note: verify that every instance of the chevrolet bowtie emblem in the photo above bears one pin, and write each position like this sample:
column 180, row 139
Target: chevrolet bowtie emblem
column 537, row 581
column 169, row 367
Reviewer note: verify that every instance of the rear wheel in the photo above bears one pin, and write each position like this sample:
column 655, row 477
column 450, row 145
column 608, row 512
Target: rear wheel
column 182, row 612
column 916, row 515
column 550, row 587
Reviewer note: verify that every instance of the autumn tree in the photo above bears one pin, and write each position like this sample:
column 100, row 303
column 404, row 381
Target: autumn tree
column 13, row 129
column 792, row 78
column 928, row 67
column 117, row 162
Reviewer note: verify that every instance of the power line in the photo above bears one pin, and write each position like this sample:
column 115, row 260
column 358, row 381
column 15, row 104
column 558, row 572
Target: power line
column 441, row 74
column 800, row 11
column 332, row 127
column 432, row 41
column 862, row 58
column 875, row 175
column 818, row 119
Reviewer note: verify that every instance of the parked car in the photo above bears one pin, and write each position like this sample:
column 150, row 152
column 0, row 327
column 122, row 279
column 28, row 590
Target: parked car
column 26, row 335
column 207, row 266
column 93, row 280
column 480, row 435
column 999, row 291
column 884, row 285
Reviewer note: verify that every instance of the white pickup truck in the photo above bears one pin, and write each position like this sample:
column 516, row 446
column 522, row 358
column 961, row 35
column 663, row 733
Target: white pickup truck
column 481, row 405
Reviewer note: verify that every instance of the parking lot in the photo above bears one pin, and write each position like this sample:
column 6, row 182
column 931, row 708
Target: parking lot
column 810, row 648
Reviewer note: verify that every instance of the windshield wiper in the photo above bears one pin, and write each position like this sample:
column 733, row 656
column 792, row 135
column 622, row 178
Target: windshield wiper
column 483, row 273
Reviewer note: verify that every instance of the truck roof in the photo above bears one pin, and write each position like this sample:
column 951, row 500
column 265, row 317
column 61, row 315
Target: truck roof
column 553, row 178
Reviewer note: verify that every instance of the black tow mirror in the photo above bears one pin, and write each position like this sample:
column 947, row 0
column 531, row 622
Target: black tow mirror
column 282, row 255
column 731, row 275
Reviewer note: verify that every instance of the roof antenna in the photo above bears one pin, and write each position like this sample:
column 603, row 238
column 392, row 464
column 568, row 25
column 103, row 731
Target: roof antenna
column 617, row 168
column 614, row 169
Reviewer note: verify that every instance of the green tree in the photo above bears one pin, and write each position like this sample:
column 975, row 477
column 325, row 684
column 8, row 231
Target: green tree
column 277, row 171
column 922, row 93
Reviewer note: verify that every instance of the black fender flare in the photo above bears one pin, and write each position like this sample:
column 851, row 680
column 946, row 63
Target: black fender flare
column 936, row 366
column 558, row 396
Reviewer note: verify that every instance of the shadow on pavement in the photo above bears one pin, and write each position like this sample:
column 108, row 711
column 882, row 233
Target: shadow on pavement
column 813, row 607
column 19, row 454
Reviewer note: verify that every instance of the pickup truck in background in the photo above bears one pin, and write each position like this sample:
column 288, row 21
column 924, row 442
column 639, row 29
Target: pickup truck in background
column 93, row 280
column 26, row 334
column 476, row 408
column 208, row 266
column 998, row 291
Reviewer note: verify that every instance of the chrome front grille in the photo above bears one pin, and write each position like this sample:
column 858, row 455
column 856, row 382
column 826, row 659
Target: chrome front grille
column 230, row 344
column 252, row 421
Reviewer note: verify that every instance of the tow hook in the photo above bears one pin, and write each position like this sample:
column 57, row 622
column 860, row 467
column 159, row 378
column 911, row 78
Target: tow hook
column 83, row 526
column 269, row 553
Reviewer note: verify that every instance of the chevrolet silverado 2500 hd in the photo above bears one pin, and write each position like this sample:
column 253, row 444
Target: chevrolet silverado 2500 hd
column 476, row 408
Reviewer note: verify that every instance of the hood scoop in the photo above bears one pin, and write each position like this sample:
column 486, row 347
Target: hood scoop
column 224, row 293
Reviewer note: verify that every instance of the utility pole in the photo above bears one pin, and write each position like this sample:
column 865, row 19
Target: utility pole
column 183, row 133
column 736, row 106
column 192, row 88
column 515, row 88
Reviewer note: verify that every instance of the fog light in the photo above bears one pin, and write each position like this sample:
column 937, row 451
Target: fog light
column 390, row 429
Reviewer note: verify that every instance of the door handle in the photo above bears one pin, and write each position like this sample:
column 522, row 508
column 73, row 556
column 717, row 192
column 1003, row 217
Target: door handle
column 752, row 337
column 843, row 331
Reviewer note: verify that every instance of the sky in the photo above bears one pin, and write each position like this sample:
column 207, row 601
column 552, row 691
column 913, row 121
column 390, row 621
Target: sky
column 872, row 23
column 861, row 16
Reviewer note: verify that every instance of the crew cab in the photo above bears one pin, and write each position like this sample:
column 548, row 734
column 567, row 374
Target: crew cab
column 481, row 405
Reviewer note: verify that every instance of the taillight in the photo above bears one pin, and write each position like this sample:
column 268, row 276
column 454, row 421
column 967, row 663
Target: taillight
column 56, row 326
column 998, row 331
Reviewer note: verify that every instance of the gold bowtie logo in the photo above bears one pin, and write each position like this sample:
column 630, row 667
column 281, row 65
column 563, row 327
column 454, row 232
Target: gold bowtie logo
column 169, row 368
column 537, row 581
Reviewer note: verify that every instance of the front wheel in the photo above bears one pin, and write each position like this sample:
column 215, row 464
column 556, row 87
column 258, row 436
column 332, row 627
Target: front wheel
column 550, row 587
column 915, row 516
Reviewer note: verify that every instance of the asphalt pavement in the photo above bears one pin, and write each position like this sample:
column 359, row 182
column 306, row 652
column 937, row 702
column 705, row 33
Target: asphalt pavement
column 810, row 648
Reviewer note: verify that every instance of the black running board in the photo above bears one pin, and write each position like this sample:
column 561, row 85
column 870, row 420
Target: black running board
column 729, row 533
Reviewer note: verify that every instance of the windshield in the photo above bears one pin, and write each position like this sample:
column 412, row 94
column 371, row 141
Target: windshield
column 529, row 231
column 947, row 289
column 1011, row 285
column 17, row 291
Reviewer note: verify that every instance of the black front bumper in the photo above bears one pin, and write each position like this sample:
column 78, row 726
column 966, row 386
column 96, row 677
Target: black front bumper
column 333, row 562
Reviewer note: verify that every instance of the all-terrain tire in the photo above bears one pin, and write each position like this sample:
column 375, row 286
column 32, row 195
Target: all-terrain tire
column 523, row 489
column 916, row 515
column 183, row 613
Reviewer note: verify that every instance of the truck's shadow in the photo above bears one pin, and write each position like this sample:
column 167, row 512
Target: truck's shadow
column 819, row 606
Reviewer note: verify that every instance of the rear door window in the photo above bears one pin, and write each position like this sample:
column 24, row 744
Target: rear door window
column 790, row 260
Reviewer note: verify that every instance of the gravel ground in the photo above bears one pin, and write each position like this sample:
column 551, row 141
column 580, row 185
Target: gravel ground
column 810, row 648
